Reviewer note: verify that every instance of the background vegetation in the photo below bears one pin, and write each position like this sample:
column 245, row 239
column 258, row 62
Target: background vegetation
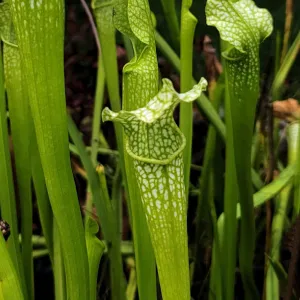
column 275, row 153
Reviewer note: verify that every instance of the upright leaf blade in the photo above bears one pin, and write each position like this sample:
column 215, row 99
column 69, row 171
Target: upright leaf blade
column 95, row 249
column 284, row 69
column 10, row 287
column 42, row 198
column 170, row 13
column 7, row 194
column 40, row 31
column 103, row 11
column 187, row 30
column 105, row 211
column 21, row 124
column 155, row 144
column 243, row 26
column 140, row 83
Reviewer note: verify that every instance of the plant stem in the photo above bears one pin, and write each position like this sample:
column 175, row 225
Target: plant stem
column 132, row 284
column 188, row 25
column 114, row 245
column 295, row 150
column 98, row 105
column 206, row 196
column 103, row 12
column 287, row 27
column 289, row 59
column 42, row 198
column 169, row 8
column 58, row 267
column 167, row 51
column 95, row 141
column 104, row 209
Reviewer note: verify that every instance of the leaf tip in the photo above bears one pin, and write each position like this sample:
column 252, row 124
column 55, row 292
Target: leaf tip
column 108, row 115
column 202, row 84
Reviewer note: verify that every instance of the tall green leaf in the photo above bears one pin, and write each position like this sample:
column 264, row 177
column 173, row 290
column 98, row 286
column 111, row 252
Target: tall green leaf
column 281, row 214
column 10, row 287
column 284, row 69
column 140, row 82
column 243, row 26
column 95, row 249
column 105, row 211
column 58, row 266
column 21, row 124
column 155, row 144
column 187, row 30
column 206, row 206
column 103, row 12
column 294, row 149
column 7, row 194
column 40, row 32
column 266, row 193
column 42, row 198
column 170, row 14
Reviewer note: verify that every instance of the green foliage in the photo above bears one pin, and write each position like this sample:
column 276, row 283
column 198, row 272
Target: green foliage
column 98, row 190
column 243, row 26
column 10, row 284
column 285, row 68
column 155, row 144
column 95, row 249
column 187, row 30
column 103, row 11
column 21, row 128
column 169, row 8
column 140, row 83
column 150, row 169
column 7, row 194
column 41, row 50
column 11, row 267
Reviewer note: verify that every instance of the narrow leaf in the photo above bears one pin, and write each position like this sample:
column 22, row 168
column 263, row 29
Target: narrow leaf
column 41, row 49
column 21, row 124
column 140, row 82
column 7, row 194
column 42, row 198
column 103, row 12
column 105, row 212
column 10, row 287
column 95, row 249
column 188, row 25
column 243, row 26
column 170, row 14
